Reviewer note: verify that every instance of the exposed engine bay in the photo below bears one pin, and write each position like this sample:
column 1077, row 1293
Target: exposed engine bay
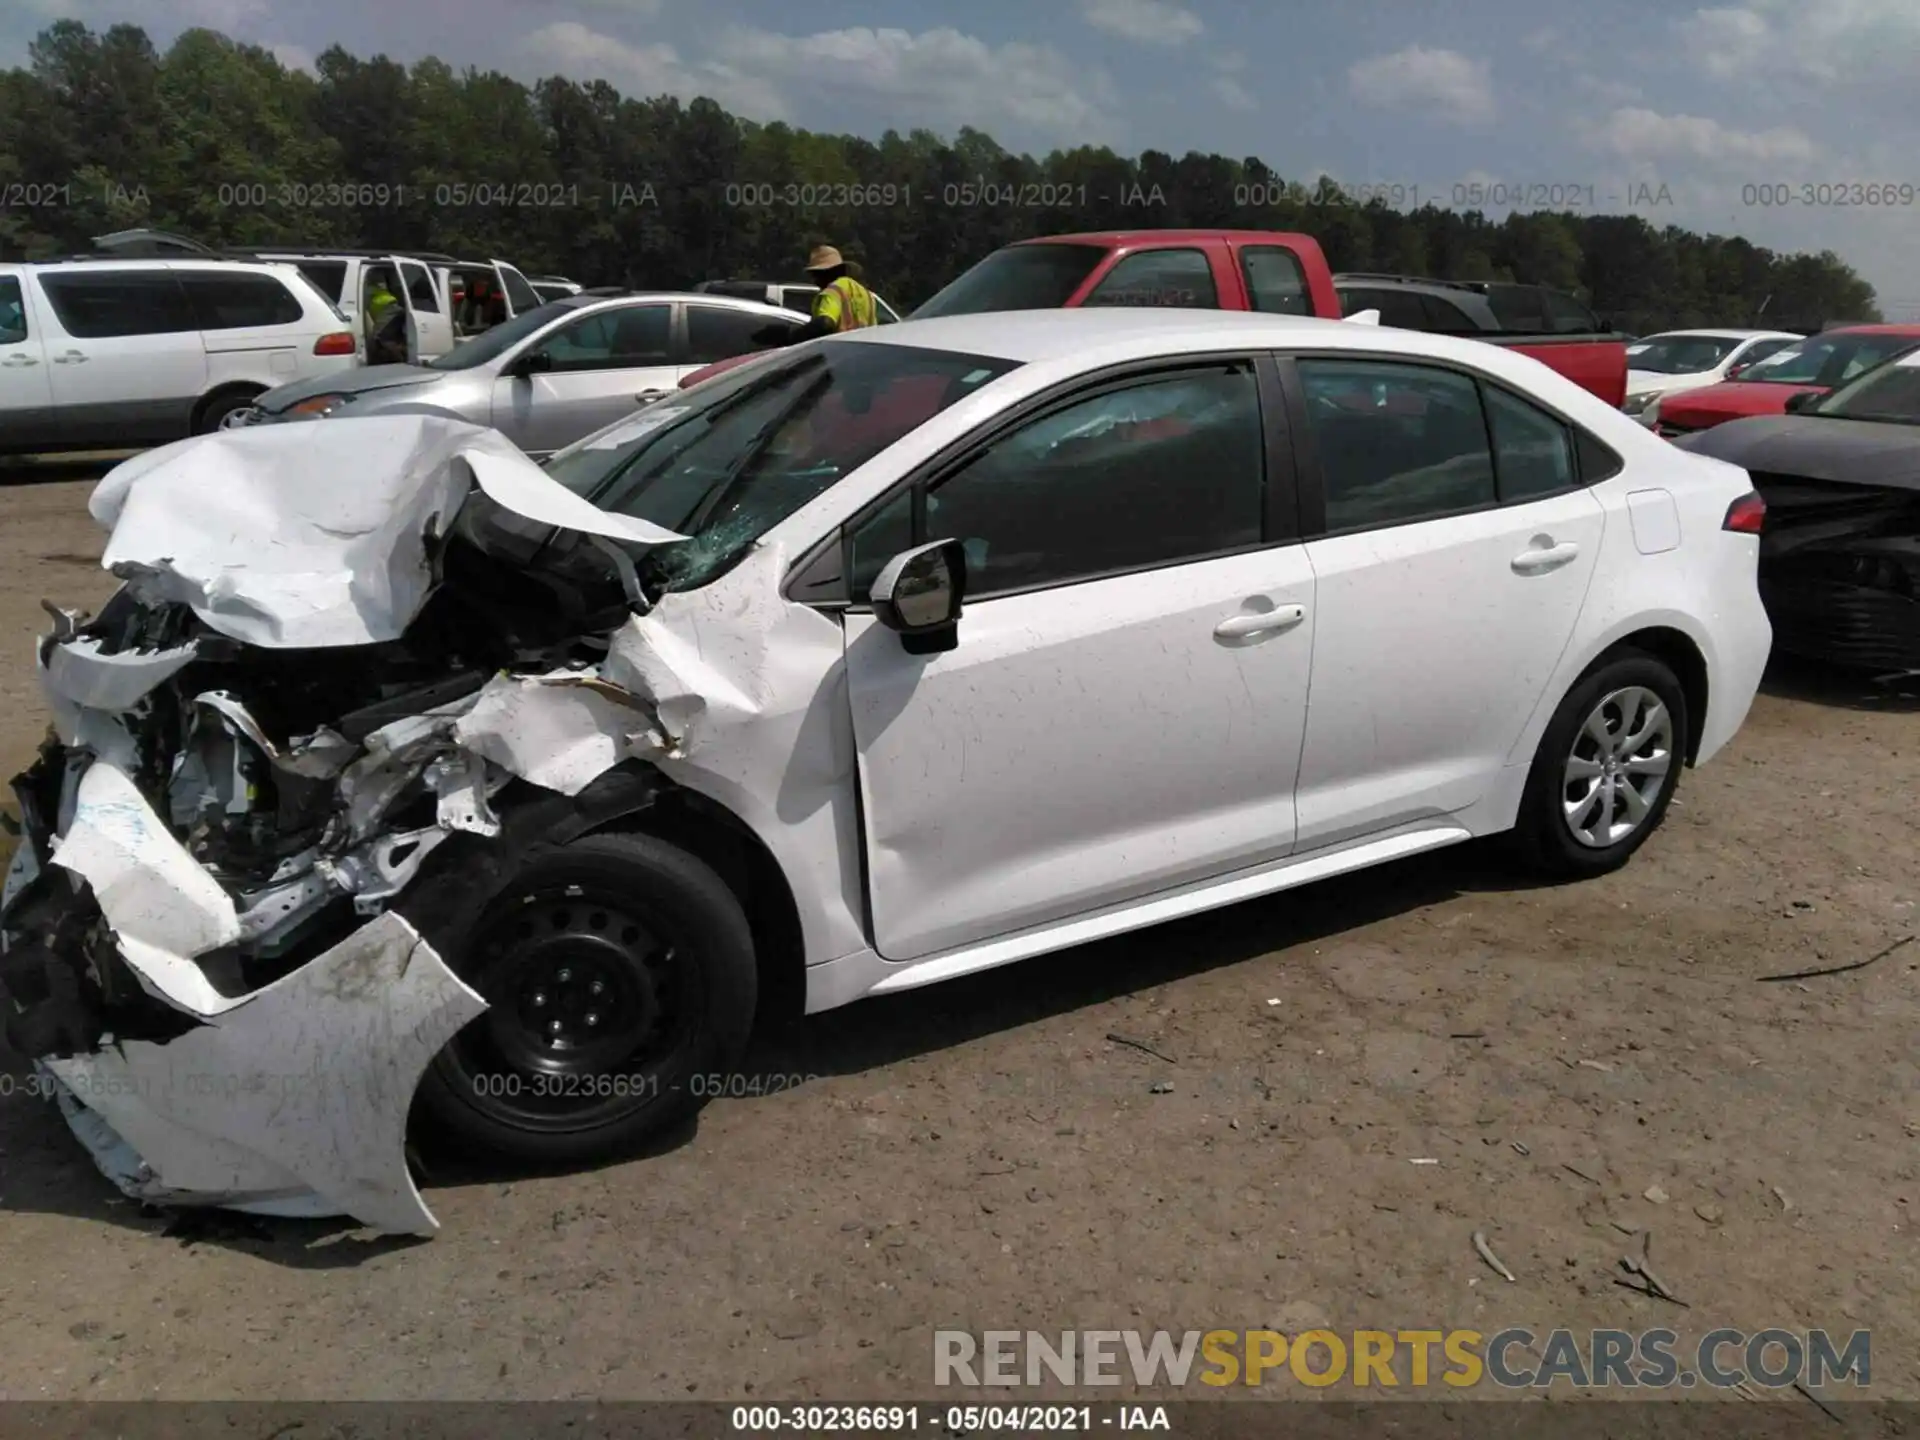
column 250, row 764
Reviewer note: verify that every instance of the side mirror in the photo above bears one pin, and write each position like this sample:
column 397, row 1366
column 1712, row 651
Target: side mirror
column 537, row 363
column 1805, row 400
column 918, row 594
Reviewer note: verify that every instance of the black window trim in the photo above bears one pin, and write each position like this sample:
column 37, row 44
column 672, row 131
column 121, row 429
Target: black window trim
column 826, row 565
column 1310, row 481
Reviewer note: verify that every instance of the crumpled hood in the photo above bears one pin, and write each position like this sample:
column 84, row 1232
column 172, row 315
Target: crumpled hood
column 347, row 382
column 294, row 538
column 1849, row 452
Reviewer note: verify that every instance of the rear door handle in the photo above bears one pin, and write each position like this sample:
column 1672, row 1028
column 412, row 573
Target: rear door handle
column 1540, row 559
column 16, row 362
column 1239, row 627
column 648, row 396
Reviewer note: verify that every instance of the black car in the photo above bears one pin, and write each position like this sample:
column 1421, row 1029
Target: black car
column 1840, row 551
column 1467, row 307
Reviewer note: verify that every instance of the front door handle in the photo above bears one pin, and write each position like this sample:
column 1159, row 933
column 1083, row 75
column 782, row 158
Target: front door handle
column 72, row 357
column 1540, row 559
column 1239, row 627
column 647, row 397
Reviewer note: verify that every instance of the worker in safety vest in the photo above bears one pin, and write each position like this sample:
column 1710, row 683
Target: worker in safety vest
column 380, row 299
column 843, row 302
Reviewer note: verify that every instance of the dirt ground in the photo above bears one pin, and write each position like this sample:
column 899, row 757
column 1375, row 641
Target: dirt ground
column 983, row 1155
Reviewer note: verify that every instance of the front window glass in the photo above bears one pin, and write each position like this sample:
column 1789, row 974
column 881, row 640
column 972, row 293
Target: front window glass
column 496, row 341
column 1889, row 394
column 1680, row 354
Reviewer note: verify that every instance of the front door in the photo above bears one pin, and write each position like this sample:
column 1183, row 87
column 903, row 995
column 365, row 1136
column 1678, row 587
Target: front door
column 1449, row 576
column 595, row 369
column 1124, row 709
column 26, row 392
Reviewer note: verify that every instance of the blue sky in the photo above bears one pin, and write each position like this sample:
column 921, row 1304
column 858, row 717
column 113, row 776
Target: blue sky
column 1707, row 100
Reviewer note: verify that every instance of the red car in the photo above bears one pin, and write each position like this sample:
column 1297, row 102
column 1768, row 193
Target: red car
column 1270, row 271
column 1812, row 367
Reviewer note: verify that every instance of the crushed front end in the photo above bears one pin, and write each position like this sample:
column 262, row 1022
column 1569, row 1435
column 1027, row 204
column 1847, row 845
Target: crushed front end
column 247, row 767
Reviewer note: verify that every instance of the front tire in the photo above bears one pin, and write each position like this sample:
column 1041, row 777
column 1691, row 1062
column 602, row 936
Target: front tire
column 1606, row 769
column 620, row 979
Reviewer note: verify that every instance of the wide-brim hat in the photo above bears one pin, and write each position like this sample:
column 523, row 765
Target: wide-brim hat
column 824, row 257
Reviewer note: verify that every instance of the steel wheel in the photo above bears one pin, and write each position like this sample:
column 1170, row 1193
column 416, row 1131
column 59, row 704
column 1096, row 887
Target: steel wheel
column 1621, row 761
column 587, row 1004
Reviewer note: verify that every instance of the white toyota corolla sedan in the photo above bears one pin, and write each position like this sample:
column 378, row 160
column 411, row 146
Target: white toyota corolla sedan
column 401, row 763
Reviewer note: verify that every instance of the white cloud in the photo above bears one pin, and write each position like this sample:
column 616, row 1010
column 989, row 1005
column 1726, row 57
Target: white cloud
column 1828, row 42
column 936, row 77
column 294, row 57
column 1444, row 82
column 1232, row 94
column 571, row 49
column 1146, row 22
column 1646, row 136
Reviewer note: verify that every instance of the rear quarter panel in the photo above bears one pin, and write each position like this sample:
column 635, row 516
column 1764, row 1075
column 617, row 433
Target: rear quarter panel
column 1705, row 587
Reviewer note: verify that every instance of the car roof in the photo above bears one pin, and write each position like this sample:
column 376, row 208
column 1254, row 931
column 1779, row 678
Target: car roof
column 96, row 263
column 1117, row 239
column 1870, row 330
column 1030, row 336
column 1729, row 333
column 667, row 297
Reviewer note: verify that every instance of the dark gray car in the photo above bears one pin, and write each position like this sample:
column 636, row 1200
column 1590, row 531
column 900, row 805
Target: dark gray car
column 1840, row 554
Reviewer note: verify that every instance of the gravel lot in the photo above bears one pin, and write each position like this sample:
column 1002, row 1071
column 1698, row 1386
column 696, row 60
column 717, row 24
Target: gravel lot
column 982, row 1155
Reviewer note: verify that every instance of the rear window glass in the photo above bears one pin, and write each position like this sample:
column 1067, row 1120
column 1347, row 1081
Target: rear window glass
column 239, row 301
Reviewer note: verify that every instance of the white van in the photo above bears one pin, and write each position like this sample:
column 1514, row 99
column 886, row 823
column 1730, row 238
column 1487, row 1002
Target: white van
column 432, row 287
column 103, row 353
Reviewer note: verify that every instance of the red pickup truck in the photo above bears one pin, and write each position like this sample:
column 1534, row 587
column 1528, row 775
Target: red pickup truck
column 1280, row 273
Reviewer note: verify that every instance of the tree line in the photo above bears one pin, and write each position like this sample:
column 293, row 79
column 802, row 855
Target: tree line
column 218, row 140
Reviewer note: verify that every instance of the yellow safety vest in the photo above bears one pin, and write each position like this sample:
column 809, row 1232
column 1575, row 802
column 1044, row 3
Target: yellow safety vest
column 847, row 303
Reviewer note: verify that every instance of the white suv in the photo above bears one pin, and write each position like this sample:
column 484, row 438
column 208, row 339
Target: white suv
column 109, row 353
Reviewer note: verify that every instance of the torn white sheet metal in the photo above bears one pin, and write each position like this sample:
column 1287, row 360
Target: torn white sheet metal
column 319, row 756
column 560, row 730
column 81, row 672
column 284, row 540
column 509, row 478
column 692, row 673
column 1363, row 317
column 163, row 907
column 307, row 1084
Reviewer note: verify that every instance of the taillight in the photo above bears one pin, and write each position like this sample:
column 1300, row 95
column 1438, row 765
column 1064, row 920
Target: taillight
column 340, row 342
column 1747, row 515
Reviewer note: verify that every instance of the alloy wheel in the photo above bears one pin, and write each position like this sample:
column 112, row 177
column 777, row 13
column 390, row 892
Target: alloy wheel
column 1621, row 760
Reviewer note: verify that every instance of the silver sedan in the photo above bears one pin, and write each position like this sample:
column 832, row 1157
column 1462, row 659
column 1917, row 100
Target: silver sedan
column 548, row 376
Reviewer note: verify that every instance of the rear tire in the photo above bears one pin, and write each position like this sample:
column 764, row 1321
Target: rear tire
column 214, row 412
column 1606, row 769
column 621, row 983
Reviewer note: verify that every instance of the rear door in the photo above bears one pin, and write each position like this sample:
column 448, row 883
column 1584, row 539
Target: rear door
column 587, row 373
column 1452, row 541
column 719, row 332
column 26, row 392
column 252, row 326
column 433, row 320
column 126, row 362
